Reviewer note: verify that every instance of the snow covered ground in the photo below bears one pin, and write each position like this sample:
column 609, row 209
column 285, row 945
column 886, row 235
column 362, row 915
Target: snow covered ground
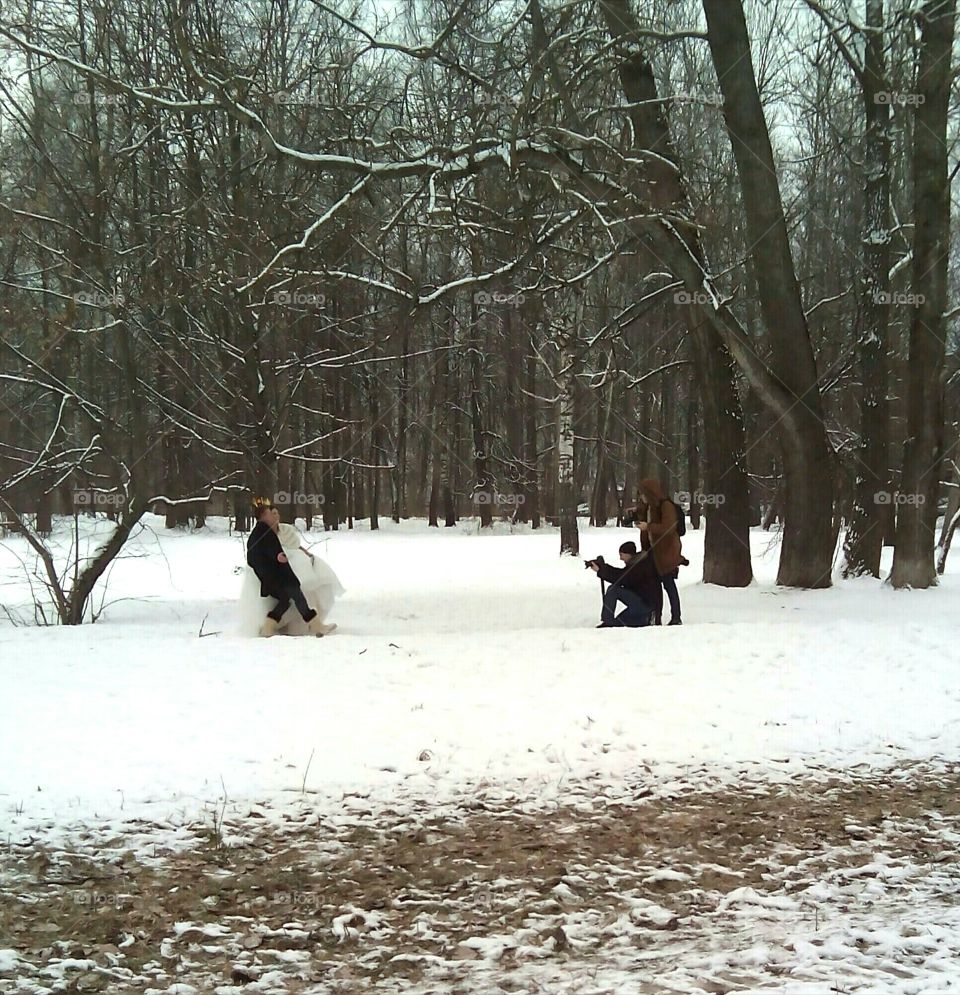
column 467, row 667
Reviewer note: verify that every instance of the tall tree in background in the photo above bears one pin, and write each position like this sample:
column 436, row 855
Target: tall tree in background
column 864, row 539
column 726, row 557
column 809, row 536
column 913, row 558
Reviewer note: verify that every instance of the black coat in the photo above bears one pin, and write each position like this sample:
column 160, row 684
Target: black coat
column 263, row 548
column 639, row 575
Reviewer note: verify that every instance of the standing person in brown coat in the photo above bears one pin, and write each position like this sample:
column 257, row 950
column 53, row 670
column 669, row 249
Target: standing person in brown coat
column 657, row 520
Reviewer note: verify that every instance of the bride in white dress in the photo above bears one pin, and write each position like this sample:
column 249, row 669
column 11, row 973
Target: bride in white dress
column 320, row 585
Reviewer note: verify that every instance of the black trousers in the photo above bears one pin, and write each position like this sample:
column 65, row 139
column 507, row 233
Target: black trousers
column 294, row 593
column 669, row 582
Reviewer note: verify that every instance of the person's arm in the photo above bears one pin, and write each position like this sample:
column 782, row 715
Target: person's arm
column 268, row 551
column 667, row 523
column 291, row 539
column 608, row 573
column 260, row 553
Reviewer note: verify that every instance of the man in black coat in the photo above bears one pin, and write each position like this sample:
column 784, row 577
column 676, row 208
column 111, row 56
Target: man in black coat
column 277, row 579
column 636, row 584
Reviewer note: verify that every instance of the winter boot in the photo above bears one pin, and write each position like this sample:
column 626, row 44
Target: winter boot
column 318, row 628
column 269, row 627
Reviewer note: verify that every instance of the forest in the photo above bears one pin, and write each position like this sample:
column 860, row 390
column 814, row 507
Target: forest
column 485, row 259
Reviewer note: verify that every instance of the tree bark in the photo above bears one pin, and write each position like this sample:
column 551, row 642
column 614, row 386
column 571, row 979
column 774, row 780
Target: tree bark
column 566, row 495
column 913, row 557
column 808, row 540
column 727, row 537
column 864, row 539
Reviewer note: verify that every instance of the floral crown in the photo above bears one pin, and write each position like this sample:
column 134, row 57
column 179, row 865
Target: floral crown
column 262, row 502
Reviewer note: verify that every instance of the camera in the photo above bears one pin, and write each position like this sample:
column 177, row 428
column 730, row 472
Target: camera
column 596, row 559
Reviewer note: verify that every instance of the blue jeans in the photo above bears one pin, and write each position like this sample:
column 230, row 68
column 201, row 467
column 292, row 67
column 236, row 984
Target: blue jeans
column 669, row 582
column 636, row 612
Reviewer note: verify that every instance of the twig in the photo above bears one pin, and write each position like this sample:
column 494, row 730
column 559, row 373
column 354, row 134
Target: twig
column 202, row 634
column 303, row 786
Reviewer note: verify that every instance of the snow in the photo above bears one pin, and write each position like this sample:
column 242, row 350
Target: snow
column 459, row 657
column 466, row 666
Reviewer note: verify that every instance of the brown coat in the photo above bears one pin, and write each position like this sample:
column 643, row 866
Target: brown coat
column 660, row 534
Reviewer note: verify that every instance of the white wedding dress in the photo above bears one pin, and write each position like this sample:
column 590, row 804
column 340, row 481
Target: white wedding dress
column 321, row 587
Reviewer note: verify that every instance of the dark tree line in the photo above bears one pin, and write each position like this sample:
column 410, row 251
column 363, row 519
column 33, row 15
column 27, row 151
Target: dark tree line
column 485, row 260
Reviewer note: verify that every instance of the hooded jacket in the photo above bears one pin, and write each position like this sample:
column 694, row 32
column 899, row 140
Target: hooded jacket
column 660, row 535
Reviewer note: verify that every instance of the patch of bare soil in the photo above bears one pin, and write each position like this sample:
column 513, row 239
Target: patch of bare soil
column 484, row 899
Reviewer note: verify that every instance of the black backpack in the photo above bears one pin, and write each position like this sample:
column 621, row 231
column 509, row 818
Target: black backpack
column 681, row 519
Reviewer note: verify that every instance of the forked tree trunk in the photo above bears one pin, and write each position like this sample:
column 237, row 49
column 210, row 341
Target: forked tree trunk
column 726, row 558
column 806, row 556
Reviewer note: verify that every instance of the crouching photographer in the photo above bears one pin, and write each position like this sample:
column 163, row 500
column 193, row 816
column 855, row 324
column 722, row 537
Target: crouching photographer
column 636, row 585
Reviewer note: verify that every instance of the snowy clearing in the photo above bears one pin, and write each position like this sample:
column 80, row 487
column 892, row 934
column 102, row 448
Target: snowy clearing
column 467, row 695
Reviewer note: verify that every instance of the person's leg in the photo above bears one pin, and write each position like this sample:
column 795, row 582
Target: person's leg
column 316, row 625
column 609, row 605
column 296, row 594
column 670, row 586
column 283, row 603
column 658, row 605
column 637, row 611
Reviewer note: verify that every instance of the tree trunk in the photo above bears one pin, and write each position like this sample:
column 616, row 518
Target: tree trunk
column 483, row 486
column 373, row 394
column 727, row 538
column 403, row 420
column 531, row 458
column 806, row 557
column 693, row 463
column 598, row 502
column 86, row 579
column 566, row 495
column 913, row 557
column 950, row 520
column 864, row 539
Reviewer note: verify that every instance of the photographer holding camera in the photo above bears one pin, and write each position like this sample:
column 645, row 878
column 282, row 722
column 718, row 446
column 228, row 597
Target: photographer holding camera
column 660, row 521
column 635, row 585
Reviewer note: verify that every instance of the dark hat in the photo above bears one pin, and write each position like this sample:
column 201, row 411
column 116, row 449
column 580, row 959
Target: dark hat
column 629, row 547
